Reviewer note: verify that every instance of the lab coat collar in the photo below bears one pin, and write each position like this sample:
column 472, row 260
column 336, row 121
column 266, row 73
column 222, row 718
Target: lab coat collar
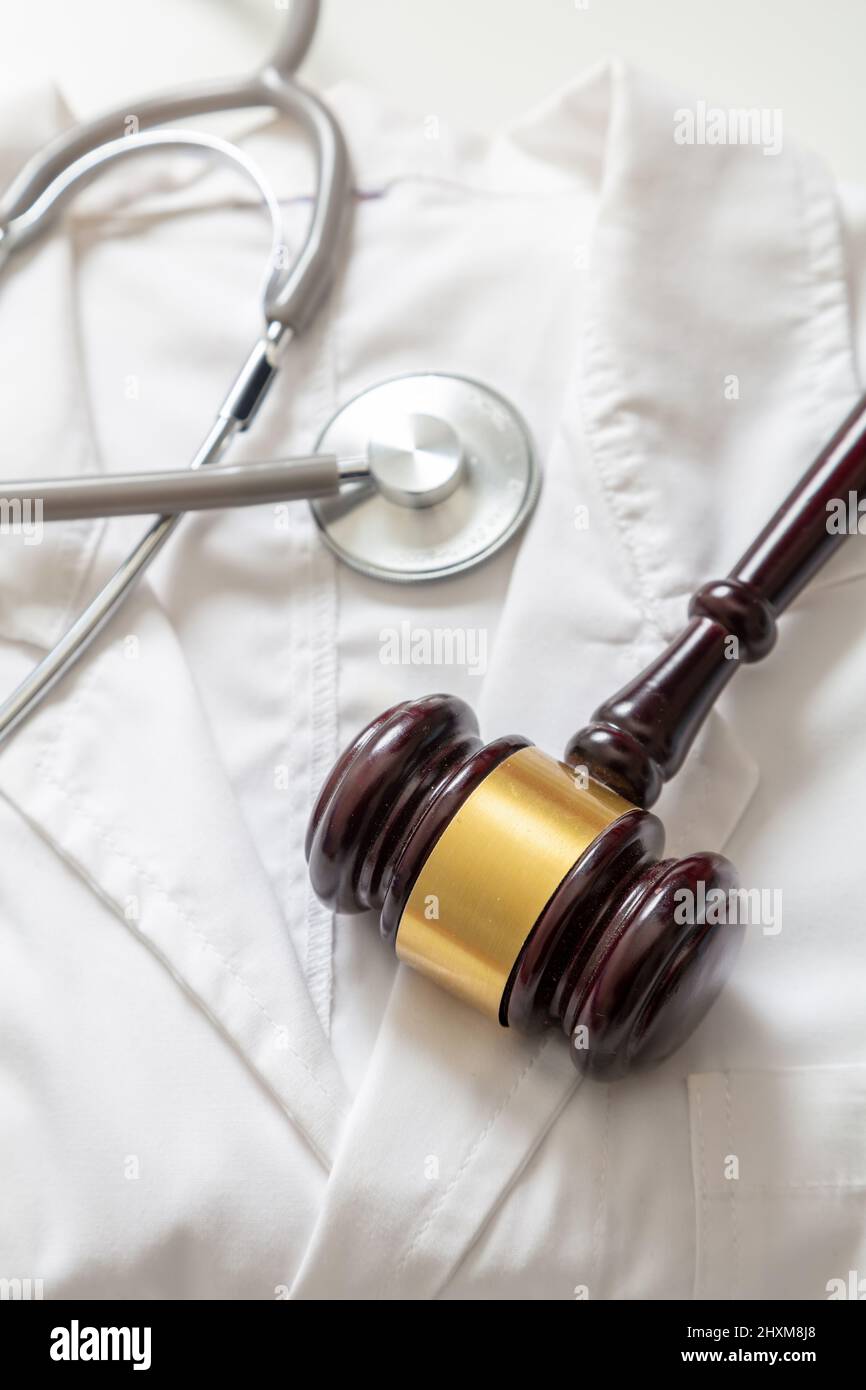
column 452, row 1108
column 715, row 361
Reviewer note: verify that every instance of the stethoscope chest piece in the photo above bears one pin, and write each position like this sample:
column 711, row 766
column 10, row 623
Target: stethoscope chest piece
column 453, row 477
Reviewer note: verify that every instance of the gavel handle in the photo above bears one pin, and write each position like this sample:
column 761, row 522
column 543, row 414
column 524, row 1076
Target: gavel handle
column 638, row 739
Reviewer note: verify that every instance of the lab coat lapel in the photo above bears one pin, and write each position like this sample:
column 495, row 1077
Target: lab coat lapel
column 46, row 428
column 662, row 461
column 715, row 361
column 450, row 1111
column 117, row 770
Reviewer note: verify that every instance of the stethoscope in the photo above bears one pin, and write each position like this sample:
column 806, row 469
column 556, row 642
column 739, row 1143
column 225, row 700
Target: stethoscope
column 416, row 478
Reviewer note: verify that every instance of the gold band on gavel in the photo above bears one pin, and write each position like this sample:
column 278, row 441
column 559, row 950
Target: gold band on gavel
column 494, row 868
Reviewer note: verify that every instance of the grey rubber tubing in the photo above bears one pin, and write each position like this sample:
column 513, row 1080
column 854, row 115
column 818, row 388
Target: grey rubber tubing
column 291, row 302
column 173, row 491
column 296, row 297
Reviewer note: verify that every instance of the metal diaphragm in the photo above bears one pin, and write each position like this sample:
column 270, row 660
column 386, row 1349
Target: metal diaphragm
column 452, row 477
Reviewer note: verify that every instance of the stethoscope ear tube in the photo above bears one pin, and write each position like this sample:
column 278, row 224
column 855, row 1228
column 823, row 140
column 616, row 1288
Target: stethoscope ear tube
column 296, row 36
column 291, row 297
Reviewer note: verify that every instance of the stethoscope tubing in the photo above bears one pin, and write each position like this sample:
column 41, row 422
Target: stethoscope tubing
column 171, row 491
column 291, row 300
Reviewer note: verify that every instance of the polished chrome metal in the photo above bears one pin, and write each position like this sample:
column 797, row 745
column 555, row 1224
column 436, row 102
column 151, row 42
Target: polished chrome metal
column 354, row 470
column 416, row 460
column 245, row 397
column 390, row 536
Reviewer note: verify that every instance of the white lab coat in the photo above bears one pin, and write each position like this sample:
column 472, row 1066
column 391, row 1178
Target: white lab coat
column 207, row 1088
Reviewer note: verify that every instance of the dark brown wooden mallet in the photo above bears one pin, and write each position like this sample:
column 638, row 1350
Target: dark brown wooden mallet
column 534, row 889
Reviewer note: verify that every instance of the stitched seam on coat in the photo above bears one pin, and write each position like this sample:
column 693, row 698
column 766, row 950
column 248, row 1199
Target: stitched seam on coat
column 599, row 375
column 601, row 1201
column 609, row 436
column 109, row 840
column 321, row 751
column 468, row 1160
column 319, row 919
column 508, row 1187
column 601, row 1204
column 840, row 1187
column 732, row 1183
column 828, row 322
column 702, row 1214
column 830, row 311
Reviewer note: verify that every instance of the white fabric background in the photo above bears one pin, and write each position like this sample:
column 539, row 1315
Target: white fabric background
column 168, row 991
column 475, row 63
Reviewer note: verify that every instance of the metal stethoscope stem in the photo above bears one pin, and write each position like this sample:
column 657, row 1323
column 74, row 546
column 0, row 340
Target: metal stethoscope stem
column 183, row 490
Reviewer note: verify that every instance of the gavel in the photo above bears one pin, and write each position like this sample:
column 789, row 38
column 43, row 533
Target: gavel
column 535, row 889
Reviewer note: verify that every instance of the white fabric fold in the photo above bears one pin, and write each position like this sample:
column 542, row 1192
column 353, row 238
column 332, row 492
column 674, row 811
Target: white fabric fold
column 616, row 284
column 146, row 817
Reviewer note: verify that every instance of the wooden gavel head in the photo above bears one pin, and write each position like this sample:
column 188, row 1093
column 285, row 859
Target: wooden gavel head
column 526, row 887
column 535, row 889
